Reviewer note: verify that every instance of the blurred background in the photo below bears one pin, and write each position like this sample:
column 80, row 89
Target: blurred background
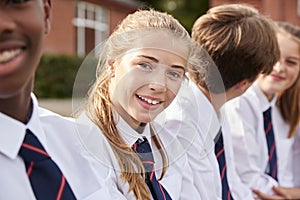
column 78, row 26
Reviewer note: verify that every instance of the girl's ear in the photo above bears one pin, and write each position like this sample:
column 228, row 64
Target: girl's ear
column 47, row 11
column 111, row 68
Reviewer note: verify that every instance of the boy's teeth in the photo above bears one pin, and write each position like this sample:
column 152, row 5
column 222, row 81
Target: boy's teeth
column 9, row 54
column 154, row 102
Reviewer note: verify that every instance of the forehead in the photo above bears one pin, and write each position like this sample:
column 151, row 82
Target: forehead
column 162, row 40
column 156, row 55
column 288, row 45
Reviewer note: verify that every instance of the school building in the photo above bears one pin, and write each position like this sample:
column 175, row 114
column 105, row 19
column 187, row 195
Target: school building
column 79, row 25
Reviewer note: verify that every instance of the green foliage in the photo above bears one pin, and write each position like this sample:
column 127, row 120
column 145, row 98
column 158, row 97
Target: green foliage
column 186, row 11
column 55, row 76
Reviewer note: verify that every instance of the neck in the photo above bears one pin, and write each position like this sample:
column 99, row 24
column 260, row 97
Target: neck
column 17, row 106
column 217, row 100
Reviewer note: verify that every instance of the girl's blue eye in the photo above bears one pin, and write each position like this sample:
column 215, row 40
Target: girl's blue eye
column 145, row 66
column 175, row 74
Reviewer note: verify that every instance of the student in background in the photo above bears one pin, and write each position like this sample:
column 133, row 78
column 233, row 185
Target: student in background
column 40, row 154
column 230, row 34
column 140, row 71
column 264, row 120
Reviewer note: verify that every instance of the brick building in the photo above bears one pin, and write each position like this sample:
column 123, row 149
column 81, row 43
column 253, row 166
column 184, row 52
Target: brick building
column 281, row 10
column 78, row 26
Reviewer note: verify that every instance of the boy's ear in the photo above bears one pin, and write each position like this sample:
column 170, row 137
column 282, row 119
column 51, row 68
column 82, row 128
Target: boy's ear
column 47, row 10
column 243, row 85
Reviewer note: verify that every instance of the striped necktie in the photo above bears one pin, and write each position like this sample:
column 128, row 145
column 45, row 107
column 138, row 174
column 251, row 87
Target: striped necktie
column 272, row 163
column 220, row 154
column 158, row 192
column 46, row 179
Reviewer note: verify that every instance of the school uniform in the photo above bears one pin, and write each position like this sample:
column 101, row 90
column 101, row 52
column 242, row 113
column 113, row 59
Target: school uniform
column 193, row 115
column 194, row 123
column 245, row 116
column 60, row 140
column 238, row 188
column 296, row 158
column 178, row 172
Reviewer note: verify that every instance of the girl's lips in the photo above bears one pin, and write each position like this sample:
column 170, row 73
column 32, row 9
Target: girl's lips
column 149, row 100
column 276, row 77
column 148, row 103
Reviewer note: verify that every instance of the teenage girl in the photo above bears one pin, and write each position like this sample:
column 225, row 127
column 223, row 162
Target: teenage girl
column 259, row 166
column 139, row 73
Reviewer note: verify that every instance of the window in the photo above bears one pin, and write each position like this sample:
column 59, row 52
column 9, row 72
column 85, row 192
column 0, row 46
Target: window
column 92, row 26
column 298, row 7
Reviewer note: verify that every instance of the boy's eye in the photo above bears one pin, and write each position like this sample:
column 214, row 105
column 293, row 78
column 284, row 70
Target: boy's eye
column 16, row 1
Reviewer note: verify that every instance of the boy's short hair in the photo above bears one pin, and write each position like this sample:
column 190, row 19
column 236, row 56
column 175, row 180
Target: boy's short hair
column 240, row 41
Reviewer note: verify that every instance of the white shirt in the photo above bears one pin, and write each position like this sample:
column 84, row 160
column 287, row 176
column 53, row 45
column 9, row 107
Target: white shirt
column 238, row 189
column 59, row 138
column 178, row 174
column 296, row 158
column 194, row 123
column 245, row 116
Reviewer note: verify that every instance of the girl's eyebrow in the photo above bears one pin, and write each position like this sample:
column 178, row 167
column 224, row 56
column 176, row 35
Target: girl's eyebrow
column 150, row 57
column 294, row 58
column 157, row 61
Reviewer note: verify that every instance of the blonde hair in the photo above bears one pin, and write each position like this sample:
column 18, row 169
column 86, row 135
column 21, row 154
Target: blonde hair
column 289, row 100
column 100, row 109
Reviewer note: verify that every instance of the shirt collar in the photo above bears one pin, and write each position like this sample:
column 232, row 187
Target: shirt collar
column 13, row 132
column 129, row 134
column 212, row 118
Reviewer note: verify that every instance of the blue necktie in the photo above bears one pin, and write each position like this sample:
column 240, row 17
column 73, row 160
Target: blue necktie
column 220, row 154
column 272, row 170
column 144, row 151
column 46, row 179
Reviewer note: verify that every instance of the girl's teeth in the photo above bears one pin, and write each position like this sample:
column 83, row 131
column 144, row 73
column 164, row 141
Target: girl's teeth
column 154, row 102
column 8, row 55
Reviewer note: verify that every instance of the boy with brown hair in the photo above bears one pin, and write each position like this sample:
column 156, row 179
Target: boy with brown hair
column 40, row 154
column 242, row 43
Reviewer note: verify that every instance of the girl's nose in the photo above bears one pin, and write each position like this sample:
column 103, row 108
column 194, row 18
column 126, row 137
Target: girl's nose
column 158, row 81
column 157, row 87
column 279, row 66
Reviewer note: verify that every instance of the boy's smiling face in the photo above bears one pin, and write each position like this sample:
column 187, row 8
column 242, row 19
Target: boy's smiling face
column 23, row 25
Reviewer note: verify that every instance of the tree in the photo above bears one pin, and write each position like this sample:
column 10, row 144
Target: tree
column 186, row 11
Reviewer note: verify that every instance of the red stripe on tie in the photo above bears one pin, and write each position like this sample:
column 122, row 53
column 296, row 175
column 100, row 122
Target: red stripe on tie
column 134, row 146
column 220, row 152
column 228, row 194
column 162, row 191
column 148, row 162
column 32, row 148
column 30, row 168
column 272, row 151
column 152, row 174
column 223, row 172
column 61, row 188
column 268, row 128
